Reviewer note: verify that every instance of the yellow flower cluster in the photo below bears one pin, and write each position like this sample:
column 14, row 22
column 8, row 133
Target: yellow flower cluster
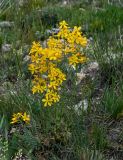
column 20, row 117
column 48, row 77
column 76, row 59
column 72, row 37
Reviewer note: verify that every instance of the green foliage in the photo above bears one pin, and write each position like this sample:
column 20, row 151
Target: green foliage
column 107, row 19
column 113, row 101
column 64, row 131
column 99, row 136
column 1, row 41
column 3, row 149
column 49, row 18
column 4, row 6
column 88, row 154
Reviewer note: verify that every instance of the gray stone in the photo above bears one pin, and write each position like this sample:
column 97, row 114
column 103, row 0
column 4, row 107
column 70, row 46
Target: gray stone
column 26, row 58
column 55, row 30
column 65, row 2
column 48, row 31
column 6, row 24
column 90, row 71
column 82, row 105
column 92, row 67
column 6, row 48
column 52, row 31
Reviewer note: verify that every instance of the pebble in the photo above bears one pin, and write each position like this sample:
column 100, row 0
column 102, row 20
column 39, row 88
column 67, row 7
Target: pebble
column 6, row 48
column 6, row 24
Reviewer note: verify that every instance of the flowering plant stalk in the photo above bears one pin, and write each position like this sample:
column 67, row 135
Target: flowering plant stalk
column 18, row 117
column 48, row 77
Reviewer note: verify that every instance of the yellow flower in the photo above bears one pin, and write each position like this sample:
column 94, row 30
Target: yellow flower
column 83, row 42
column 55, row 97
column 73, row 60
column 46, row 61
column 53, row 85
column 26, row 118
column 36, row 48
column 47, row 101
column 14, row 120
column 76, row 59
column 39, row 85
column 63, row 24
column 83, row 59
column 50, row 98
column 18, row 117
column 32, row 68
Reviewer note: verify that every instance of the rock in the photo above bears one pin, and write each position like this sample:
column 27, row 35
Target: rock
column 13, row 130
column 48, row 31
column 80, row 77
column 26, row 58
column 89, row 71
column 65, row 2
column 55, row 30
column 92, row 68
column 6, row 24
column 6, row 48
column 82, row 105
column 52, row 31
